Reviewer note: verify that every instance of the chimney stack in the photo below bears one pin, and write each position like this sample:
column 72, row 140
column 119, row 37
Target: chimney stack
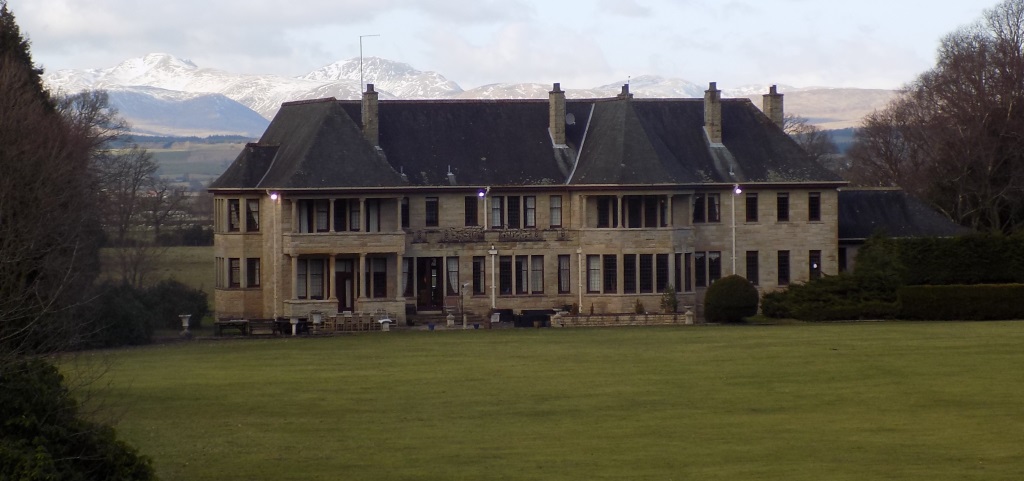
column 772, row 106
column 371, row 120
column 556, row 115
column 625, row 92
column 713, row 113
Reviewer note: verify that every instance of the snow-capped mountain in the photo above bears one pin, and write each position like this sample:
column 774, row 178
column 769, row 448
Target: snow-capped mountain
column 146, row 88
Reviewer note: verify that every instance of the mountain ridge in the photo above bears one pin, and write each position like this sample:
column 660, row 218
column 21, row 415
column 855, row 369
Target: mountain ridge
column 157, row 76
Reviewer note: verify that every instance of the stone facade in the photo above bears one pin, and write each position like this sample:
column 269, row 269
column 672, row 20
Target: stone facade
column 428, row 265
column 412, row 207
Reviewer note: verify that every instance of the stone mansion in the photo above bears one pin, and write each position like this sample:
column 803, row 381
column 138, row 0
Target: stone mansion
column 407, row 206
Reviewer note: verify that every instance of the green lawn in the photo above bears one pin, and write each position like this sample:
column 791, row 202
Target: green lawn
column 858, row 401
column 192, row 266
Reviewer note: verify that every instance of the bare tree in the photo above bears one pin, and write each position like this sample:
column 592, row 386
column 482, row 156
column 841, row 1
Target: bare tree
column 955, row 136
column 814, row 141
column 48, row 248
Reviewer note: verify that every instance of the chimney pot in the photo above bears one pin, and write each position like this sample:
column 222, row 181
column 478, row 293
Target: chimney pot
column 370, row 116
column 713, row 113
column 556, row 115
column 772, row 106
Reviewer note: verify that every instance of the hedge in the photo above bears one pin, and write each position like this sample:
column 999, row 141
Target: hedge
column 962, row 302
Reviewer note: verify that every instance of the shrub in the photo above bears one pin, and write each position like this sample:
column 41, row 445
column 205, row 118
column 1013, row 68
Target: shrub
column 965, row 302
column 44, row 437
column 169, row 299
column 119, row 318
column 730, row 299
column 669, row 300
column 638, row 307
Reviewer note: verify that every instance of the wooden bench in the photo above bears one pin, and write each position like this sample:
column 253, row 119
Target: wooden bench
column 262, row 326
column 227, row 323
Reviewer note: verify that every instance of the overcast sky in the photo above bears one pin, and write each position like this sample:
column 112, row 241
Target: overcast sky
column 836, row 43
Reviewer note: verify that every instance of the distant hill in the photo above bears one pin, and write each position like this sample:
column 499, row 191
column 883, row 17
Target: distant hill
column 160, row 94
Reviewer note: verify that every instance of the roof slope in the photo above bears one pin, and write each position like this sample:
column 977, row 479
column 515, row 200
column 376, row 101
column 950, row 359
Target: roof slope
column 319, row 144
column 658, row 141
column 496, row 142
column 892, row 212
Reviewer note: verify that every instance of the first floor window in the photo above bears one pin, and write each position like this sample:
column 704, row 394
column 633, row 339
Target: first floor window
column 252, row 215
column 252, row 272
column 234, row 213
column 478, row 274
column 432, row 212
column 555, row 207
column 752, row 207
column 783, row 268
column 782, row 207
column 471, row 210
column 752, row 267
column 512, row 216
column 529, row 211
column 405, row 212
column 497, row 212
column 814, row 206
column 563, row 274
column 234, row 272
column 842, row 259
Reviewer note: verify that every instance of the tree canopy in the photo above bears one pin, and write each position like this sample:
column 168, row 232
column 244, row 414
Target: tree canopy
column 955, row 135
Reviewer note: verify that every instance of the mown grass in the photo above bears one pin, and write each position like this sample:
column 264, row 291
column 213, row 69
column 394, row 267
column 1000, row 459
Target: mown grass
column 192, row 266
column 907, row 401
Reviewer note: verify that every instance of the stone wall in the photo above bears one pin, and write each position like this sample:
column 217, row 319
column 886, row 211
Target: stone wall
column 611, row 320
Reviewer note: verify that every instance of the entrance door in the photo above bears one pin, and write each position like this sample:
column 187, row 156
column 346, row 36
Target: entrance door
column 344, row 284
column 429, row 284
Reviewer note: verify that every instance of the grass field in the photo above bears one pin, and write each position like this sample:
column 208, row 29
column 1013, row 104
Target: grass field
column 860, row 401
column 192, row 266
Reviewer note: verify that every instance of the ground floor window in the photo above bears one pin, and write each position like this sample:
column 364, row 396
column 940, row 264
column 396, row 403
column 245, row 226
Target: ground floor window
column 505, row 275
column 783, row 257
column 752, row 267
column 479, row 268
column 377, row 276
column 234, row 272
column 252, row 272
column 309, row 278
column 564, row 272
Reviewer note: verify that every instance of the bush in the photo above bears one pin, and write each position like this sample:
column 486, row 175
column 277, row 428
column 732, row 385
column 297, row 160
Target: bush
column 119, row 318
column 730, row 299
column 638, row 307
column 965, row 302
column 43, row 437
column 669, row 300
column 832, row 298
column 169, row 299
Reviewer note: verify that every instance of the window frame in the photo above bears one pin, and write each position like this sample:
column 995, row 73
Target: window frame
column 782, row 207
column 555, row 211
column 814, row 207
column 431, row 211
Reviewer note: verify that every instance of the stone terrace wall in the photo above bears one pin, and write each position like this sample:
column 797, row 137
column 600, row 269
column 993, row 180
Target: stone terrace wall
column 609, row 320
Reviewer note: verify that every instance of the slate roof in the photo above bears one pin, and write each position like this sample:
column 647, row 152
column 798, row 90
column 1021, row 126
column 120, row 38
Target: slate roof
column 319, row 144
column 891, row 212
